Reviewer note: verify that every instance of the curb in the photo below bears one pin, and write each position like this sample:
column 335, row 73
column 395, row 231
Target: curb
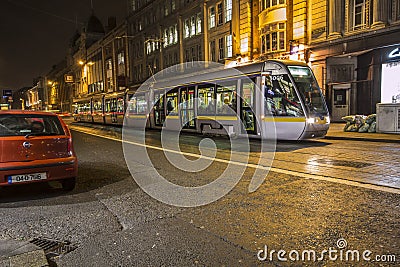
column 363, row 139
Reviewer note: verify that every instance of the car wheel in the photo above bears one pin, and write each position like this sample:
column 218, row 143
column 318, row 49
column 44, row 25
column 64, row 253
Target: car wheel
column 68, row 184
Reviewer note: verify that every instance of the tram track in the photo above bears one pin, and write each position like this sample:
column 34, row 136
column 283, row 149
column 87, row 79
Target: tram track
column 279, row 170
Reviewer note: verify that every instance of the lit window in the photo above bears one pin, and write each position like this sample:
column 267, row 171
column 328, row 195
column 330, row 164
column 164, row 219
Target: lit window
column 199, row 21
column 192, row 26
column 171, row 35
column 175, row 34
column 228, row 10
column 212, row 17
column 274, row 38
column 229, row 51
column 173, row 5
column 187, row 28
column 133, row 5
column 270, row 3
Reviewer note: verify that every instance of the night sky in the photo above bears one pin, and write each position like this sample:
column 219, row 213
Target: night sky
column 35, row 34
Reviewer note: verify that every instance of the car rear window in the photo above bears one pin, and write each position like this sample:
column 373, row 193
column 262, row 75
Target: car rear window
column 29, row 124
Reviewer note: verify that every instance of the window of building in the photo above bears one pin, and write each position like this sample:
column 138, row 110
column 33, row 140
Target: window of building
column 173, row 5
column 229, row 51
column 187, row 28
column 221, row 54
column 359, row 12
column 199, row 52
column 198, row 22
column 398, row 9
column 273, row 37
column 212, row 17
column 228, row 10
column 212, row 51
column 270, row 3
column 192, row 26
column 166, row 8
column 133, row 5
column 220, row 18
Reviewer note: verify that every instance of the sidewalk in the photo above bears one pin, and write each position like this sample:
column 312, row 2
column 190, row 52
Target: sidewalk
column 336, row 133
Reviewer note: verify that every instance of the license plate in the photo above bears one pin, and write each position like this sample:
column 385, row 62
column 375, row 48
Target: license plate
column 21, row 178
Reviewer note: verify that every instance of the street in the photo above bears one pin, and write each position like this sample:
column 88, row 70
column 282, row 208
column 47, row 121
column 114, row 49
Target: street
column 317, row 194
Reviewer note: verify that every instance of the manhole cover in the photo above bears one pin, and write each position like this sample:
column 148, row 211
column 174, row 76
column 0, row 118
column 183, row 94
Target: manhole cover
column 344, row 163
column 53, row 248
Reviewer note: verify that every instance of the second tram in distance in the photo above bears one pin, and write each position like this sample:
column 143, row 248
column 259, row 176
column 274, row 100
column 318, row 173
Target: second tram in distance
column 225, row 101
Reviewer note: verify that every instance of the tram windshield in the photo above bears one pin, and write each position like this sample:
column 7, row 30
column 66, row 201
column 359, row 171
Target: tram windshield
column 309, row 90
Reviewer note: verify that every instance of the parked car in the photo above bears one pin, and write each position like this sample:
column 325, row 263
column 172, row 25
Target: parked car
column 36, row 147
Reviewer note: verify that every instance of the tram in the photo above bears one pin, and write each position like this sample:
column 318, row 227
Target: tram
column 237, row 101
column 227, row 102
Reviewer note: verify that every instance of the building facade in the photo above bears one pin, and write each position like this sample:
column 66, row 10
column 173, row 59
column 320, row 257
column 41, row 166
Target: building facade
column 352, row 45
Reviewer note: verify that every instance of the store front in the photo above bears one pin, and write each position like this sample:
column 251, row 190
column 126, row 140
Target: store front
column 390, row 84
column 359, row 80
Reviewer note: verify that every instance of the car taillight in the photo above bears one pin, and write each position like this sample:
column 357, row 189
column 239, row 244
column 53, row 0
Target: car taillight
column 69, row 146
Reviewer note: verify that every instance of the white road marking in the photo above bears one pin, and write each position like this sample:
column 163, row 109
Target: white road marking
column 382, row 188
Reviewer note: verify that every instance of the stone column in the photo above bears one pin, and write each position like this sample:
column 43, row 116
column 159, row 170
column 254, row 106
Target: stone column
column 335, row 18
column 380, row 13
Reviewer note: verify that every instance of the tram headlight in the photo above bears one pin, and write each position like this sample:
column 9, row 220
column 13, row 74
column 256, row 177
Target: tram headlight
column 311, row 120
column 328, row 120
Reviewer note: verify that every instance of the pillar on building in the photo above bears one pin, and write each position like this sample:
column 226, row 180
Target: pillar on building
column 380, row 13
column 335, row 18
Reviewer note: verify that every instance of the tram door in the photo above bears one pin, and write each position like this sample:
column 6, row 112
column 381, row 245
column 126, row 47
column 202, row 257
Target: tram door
column 186, row 107
column 159, row 110
column 247, row 106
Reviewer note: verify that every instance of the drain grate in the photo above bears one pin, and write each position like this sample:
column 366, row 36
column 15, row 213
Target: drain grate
column 53, row 248
column 344, row 163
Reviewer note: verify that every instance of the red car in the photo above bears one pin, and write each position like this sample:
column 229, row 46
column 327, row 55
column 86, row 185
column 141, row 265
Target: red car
column 36, row 147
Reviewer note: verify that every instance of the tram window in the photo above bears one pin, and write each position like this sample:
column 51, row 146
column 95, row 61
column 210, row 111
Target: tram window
column 248, row 92
column 172, row 103
column 107, row 106
column 97, row 106
column 206, row 99
column 226, row 97
column 280, row 97
column 308, row 88
column 137, row 105
column 120, row 105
